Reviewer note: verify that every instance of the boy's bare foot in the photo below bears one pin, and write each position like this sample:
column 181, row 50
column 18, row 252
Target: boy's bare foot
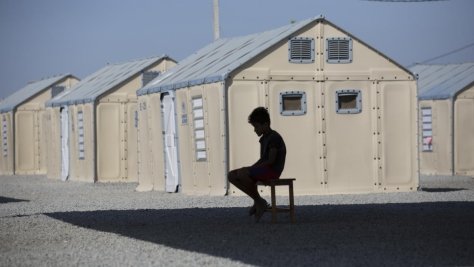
column 260, row 207
column 253, row 209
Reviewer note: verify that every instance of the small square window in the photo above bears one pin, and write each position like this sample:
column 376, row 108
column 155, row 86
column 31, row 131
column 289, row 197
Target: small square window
column 292, row 103
column 301, row 50
column 348, row 101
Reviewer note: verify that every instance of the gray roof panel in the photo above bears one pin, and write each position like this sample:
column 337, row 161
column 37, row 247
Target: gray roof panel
column 102, row 81
column 443, row 81
column 215, row 61
column 29, row 91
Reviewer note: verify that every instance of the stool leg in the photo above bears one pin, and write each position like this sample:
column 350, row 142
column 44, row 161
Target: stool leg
column 292, row 203
column 274, row 207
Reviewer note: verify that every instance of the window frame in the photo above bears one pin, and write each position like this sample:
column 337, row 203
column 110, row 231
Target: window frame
column 4, row 136
column 357, row 109
column 199, row 132
column 81, row 147
column 300, row 112
column 426, row 119
column 300, row 60
column 339, row 60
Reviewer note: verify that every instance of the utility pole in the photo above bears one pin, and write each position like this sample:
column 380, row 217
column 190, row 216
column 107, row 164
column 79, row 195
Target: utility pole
column 216, row 20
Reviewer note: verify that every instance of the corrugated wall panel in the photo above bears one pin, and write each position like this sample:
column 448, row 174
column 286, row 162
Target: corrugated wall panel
column 439, row 160
column 349, row 138
column 399, row 134
column 26, row 142
column 186, row 151
column 156, row 143
column 464, row 137
column 53, row 138
column 108, row 141
column 132, row 142
column 304, row 159
column 145, row 182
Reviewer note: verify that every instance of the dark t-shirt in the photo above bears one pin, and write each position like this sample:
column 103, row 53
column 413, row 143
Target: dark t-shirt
column 270, row 140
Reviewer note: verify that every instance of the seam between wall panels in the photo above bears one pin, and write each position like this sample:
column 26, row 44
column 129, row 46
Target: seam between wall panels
column 124, row 132
column 267, row 93
column 37, row 151
column 375, row 130
column 381, row 140
column 149, row 141
column 320, row 48
column 224, row 134
column 323, row 136
column 380, row 167
column 320, row 141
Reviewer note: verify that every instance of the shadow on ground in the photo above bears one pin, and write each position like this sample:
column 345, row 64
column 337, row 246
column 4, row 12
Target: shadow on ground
column 441, row 190
column 4, row 200
column 439, row 233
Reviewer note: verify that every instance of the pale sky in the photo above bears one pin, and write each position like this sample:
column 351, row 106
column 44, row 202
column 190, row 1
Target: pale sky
column 44, row 38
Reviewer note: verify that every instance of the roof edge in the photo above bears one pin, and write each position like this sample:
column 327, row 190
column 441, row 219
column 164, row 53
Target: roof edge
column 60, row 79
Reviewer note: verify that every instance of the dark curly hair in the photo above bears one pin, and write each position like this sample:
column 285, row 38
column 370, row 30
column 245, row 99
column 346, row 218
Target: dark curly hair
column 259, row 115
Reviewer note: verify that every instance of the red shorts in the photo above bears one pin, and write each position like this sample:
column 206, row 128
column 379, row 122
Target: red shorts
column 263, row 173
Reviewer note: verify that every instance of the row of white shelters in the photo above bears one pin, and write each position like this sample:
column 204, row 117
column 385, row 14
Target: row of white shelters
column 346, row 111
column 93, row 126
column 446, row 99
column 23, row 129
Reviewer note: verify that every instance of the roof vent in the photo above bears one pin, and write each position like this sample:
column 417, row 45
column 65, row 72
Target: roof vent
column 56, row 90
column 301, row 50
column 339, row 50
column 148, row 76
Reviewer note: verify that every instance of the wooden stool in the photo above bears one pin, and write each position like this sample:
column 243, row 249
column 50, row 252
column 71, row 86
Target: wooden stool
column 274, row 209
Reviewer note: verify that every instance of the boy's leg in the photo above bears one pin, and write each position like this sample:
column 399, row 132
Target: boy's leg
column 241, row 179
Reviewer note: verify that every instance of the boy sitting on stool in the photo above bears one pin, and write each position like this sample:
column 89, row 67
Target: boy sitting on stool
column 268, row 167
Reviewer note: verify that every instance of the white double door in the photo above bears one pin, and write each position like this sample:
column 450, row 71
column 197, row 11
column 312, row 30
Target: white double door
column 64, row 117
column 170, row 142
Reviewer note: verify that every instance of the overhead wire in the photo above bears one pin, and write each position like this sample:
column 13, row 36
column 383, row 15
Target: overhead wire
column 448, row 53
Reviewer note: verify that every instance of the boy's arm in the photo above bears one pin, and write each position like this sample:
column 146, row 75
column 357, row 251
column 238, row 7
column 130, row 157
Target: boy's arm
column 272, row 155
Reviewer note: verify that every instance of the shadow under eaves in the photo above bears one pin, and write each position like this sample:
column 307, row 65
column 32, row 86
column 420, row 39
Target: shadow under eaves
column 4, row 200
column 438, row 233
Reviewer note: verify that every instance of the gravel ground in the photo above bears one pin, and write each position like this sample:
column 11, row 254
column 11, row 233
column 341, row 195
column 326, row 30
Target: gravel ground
column 52, row 223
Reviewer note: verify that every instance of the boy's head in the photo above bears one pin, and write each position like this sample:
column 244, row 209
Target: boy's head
column 260, row 120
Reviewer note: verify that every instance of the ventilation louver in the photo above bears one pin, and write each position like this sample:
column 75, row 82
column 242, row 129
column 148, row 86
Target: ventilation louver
column 56, row 90
column 339, row 50
column 148, row 76
column 301, row 50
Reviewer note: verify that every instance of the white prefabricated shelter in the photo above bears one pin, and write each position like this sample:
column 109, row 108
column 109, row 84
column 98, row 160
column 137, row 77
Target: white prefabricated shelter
column 346, row 112
column 24, row 116
column 446, row 103
column 94, row 125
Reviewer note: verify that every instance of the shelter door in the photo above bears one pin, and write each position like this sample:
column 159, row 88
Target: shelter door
column 169, row 142
column 64, row 143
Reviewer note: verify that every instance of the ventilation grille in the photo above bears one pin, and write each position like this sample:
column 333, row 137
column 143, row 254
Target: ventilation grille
column 56, row 90
column 301, row 50
column 148, row 76
column 339, row 50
